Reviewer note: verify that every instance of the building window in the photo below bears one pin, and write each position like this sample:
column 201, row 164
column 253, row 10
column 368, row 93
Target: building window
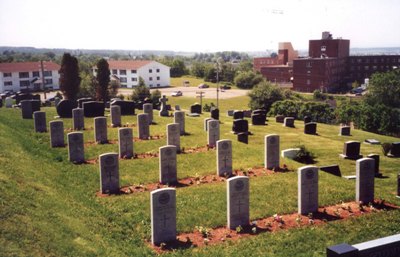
column 122, row 72
column 24, row 83
column 47, row 73
column 308, row 82
column 359, row 60
column 35, row 74
column 150, row 71
column 158, row 78
column 158, row 85
column 23, row 75
column 7, row 74
column 123, row 85
column 151, row 85
column 323, row 48
column 122, row 80
column 7, row 83
column 151, row 78
column 48, row 81
column 115, row 72
column 134, row 79
column 308, row 64
column 133, row 71
column 366, row 67
column 158, row 70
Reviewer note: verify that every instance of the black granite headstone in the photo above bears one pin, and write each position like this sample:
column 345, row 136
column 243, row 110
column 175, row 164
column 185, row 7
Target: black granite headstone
column 351, row 150
column 35, row 105
column 310, row 128
column 195, row 108
column 240, row 126
column 258, row 119
column 376, row 158
column 93, row 109
column 243, row 137
column 127, row 107
column 259, row 111
column 395, row 150
column 64, row 108
column 1, row 102
column 279, row 118
column 332, row 169
column 215, row 113
column 238, row 115
column 307, row 119
column 83, row 100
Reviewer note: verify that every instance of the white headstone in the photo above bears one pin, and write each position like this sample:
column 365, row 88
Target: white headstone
column 40, row 121
column 167, row 164
column 76, row 150
column 78, row 120
column 290, row 153
column 163, row 215
column 238, row 210
column 125, row 140
column 179, row 117
column 177, row 107
column 109, row 173
column 224, row 157
column 8, row 102
column 271, row 159
column 206, row 123
column 148, row 108
column 288, row 122
column 56, row 133
column 143, row 126
column 365, row 180
column 307, row 189
column 115, row 111
column 213, row 132
column 100, row 130
column 174, row 136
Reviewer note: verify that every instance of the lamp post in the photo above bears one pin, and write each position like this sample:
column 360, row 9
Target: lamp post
column 218, row 67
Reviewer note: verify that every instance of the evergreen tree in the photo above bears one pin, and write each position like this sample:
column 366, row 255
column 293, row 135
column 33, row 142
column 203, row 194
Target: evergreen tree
column 103, row 80
column 69, row 77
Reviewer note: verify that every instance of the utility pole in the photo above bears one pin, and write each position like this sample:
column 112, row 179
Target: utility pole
column 43, row 85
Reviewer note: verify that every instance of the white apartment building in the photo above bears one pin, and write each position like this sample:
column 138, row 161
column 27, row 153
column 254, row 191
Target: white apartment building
column 22, row 76
column 153, row 73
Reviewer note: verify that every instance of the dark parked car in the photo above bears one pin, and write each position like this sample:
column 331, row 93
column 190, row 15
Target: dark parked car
column 226, row 87
column 204, row 86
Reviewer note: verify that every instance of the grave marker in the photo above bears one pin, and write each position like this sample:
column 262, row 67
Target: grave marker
column 307, row 189
column 271, row 157
column 109, row 173
column 173, row 135
column 345, row 131
column 212, row 133
column 76, row 152
column 167, row 164
column 195, row 108
column 40, row 121
column 376, row 166
column 179, row 117
column 310, row 128
column 127, row 107
column 148, row 108
column 78, row 120
column 100, row 130
column 224, row 158
column 64, row 108
column 143, row 126
column 115, row 111
column 215, row 113
column 240, row 126
column 238, row 211
column 8, row 102
column 238, row 115
column 125, row 142
column 206, row 123
column 288, row 122
column 279, row 118
column 26, row 108
column 93, row 109
column 56, row 133
column 351, row 150
column 163, row 110
column 365, row 176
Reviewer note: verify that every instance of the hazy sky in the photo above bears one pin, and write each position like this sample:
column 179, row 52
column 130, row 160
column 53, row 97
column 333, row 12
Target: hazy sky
column 202, row 25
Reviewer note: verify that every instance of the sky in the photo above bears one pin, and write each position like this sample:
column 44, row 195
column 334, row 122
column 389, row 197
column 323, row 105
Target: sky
column 196, row 26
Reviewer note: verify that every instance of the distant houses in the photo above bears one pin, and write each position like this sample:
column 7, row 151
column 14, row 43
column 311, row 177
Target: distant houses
column 128, row 72
column 24, row 76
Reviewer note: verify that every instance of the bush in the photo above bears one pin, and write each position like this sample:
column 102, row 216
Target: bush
column 207, row 108
column 264, row 95
column 304, row 156
column 248, row 79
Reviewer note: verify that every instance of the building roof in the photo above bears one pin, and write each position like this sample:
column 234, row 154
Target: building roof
column 27, row 66
column 128, row 65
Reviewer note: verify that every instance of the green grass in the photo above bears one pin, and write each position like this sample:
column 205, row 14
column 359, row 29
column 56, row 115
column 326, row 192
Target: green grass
column 48, row 206
column 194, row 82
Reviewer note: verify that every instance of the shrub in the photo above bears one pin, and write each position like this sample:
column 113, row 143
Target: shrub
column 304, row 156
column 264, row 95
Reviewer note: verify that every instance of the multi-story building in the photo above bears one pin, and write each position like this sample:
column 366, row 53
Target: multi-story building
column 29, row 76
column 128, row 73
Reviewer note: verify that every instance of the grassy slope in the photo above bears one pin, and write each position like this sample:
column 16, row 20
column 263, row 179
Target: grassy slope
column 48, row 206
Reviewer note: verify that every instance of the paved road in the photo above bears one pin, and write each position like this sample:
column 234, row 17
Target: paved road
column 191, row 92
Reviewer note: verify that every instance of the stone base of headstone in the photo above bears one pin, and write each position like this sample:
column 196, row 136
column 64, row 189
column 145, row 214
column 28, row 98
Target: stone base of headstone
column 342, row 250
column 193, row 115
column 350, row 177
column 350, row 157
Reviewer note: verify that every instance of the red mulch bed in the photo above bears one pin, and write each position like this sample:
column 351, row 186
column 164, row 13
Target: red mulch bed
column 213, row 236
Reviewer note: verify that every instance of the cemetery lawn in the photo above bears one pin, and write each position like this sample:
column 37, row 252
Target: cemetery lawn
column 49, row 207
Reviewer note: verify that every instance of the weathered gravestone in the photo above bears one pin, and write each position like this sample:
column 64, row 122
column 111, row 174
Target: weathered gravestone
column 395, row 150
column 290, row 153
column 345, row 131
column 238, row 211
column 195, row 108
column 372, row 141
column 238, row 115
column 35, row 105
column 163, row 215
column 206, row 123
column 8, row 102
column 307, row 119
column 148, row 108
column 93, row 109
column 143, row 126
column 40, row 121
column 212, row 133
column 230, row 113
column 376, row 166
column 78, row 121
column 56, row 133
column 351, row 150
column 109, row 173
column 271, row 157
column 258, row 119
column 177, row 107
column 382, row 247
column 83, row 100
column 307, row 189
column 26, row 109
column 76, row 150
column 65, row 107
column 127, row 107
column 215, row 113
column 115, row 111
column 279, row 118
column 240, row 126
column 365, row 176
column 164, row 111
column 125, row 142
column 167, row 164
column 100, row 130
column 243, row 137
column 224, row 158
column 179, row 118
column 174, row 136
column 247, row 113
column 288, row 122
column 310, row 128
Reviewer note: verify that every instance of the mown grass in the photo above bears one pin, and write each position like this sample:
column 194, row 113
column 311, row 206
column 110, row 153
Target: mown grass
column 195, row 82
column 49, row 206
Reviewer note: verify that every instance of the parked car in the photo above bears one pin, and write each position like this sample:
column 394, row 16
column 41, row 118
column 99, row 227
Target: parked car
column 226, row 87
column 203, row 86
column 176, row 93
